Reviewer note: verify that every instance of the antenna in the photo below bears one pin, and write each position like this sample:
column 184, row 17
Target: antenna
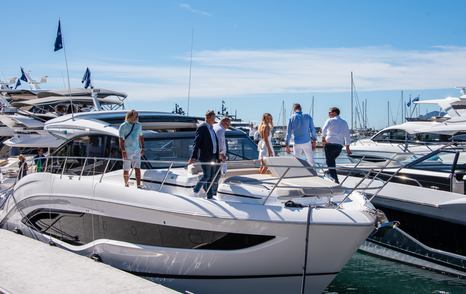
column 190, row 68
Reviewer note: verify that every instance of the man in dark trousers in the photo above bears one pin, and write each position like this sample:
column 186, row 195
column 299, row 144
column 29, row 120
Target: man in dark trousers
column 206, row 150
column 335, row 135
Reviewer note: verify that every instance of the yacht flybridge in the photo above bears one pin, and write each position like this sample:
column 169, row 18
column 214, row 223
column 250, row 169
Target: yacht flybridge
column 24, row 112
column 274, row 233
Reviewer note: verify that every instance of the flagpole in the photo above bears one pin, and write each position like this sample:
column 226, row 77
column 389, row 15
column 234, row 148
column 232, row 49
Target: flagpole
column 68, row 77
column 66, row 63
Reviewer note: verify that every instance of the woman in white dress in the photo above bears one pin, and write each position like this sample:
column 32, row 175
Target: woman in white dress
column 265, row 144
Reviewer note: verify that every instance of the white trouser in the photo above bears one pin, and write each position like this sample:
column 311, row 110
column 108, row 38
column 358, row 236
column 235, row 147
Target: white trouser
column 306, row 148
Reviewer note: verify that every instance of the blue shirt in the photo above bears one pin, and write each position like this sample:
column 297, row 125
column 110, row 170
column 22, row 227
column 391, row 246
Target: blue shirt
column 336, row 131
column 213, row 138
column 132, row 141
column 302, row 127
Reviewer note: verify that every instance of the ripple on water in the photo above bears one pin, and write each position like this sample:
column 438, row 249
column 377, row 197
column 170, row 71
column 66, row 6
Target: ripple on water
column 368, row 274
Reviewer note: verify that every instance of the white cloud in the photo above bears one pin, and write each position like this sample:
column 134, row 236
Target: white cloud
column 193, row 10
column 231, row 73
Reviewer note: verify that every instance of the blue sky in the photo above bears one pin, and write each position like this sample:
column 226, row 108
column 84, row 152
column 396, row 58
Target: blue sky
column 252, row 54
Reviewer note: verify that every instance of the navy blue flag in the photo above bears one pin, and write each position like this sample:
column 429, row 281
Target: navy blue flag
column 86, row 78
column 18, row 83
column 409, row 102
column 58, row 40
column 23, row 77
column 416, row 99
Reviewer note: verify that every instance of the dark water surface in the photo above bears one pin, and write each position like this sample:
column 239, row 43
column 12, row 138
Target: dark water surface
column 369, row 274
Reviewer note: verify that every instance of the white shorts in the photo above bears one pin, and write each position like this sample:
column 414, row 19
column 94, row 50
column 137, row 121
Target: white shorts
column 134, row 160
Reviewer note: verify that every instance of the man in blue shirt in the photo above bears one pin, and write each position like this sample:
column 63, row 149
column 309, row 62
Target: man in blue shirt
column 132, row 146
column 304, row 133
column 206, row 150
column 335, row 134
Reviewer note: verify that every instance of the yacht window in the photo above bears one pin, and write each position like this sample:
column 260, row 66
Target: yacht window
column 442, row 161
column 78, row 228
column 169, row 149
column 428, row 138
column 383, row 136
column 241, row 148
column 397, row 136
column 87, row 155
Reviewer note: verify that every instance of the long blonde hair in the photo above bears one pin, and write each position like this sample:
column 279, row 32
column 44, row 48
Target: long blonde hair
column 264, row 124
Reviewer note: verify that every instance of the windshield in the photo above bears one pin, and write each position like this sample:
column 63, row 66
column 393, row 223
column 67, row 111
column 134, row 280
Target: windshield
column 442, row 161
column 164, row 147
column 180, row 149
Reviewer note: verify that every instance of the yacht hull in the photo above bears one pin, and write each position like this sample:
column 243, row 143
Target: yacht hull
column 264, row 248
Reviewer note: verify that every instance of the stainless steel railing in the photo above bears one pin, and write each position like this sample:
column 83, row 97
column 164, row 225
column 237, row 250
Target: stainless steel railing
column 87, row 166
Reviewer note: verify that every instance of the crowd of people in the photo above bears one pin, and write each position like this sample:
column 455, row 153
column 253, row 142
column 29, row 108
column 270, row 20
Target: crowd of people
column 209, row 143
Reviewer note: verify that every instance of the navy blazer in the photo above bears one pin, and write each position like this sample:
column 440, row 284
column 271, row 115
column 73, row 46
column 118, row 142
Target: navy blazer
column 203, row 149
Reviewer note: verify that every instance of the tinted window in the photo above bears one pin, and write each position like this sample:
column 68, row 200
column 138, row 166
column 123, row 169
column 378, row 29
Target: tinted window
column 241, row 148
column 81, row 228
column 442, row 161
column 383, row 136
column 165, row 149
column 395, row 136
column 428, row 138
column 80, row 153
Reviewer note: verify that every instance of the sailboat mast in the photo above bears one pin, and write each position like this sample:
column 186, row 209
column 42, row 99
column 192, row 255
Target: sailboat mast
column 284, row 113
column 352, row 116
column 388, row 113
column 402, row 108
column 312, row 105
column 365, row 115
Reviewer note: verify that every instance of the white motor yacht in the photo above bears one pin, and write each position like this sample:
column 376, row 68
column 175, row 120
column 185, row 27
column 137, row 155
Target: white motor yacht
column 24, row 113
column 414, row 136
column 282, row 232
column 425, row 199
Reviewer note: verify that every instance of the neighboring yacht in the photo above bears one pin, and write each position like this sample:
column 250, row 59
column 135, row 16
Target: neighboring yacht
column 426, row 196
column 262, row 233
column 25, row 112
column 415, row 136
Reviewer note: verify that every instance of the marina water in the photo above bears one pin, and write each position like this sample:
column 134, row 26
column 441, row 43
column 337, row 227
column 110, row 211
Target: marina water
column 369, row 274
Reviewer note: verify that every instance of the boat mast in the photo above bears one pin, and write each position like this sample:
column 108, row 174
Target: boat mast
column 365, row 114
column 388, row 113
column 352, row 120
column 402, row 108
column 284, row 113
column 312, row 106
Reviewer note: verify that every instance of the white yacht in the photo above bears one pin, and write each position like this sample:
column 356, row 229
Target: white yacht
column 415, row 136
column 283, row 232
column 24, row 113
column 425, row 199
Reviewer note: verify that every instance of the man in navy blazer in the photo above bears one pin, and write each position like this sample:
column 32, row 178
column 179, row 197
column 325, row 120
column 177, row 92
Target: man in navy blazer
column 206, row 150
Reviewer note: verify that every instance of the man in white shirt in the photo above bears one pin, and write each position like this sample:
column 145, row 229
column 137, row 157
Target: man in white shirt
column 219, row 129
column 335, row 134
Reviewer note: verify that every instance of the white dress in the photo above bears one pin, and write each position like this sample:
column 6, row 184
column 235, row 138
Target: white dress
column 262, row 147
